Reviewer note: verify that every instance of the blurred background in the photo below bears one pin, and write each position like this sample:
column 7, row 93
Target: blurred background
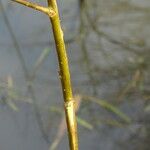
column 108, row 45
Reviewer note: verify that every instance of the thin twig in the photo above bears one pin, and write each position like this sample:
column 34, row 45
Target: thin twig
column 106, row 36
column 48, row 11
column 83, row 33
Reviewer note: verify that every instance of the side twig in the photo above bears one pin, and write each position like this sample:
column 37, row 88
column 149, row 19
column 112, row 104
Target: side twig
column 49, row 11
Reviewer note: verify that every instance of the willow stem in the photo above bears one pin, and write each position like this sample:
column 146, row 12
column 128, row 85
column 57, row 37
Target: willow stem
column 64, row 73
column 64, row 76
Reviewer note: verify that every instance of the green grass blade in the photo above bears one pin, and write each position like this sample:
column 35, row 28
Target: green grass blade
column 12, row 105
column 109, row 107
column 84, row 123
column 41, row 58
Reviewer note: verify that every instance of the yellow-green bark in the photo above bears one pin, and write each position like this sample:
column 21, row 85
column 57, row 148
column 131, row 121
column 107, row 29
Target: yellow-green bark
column 64, row 73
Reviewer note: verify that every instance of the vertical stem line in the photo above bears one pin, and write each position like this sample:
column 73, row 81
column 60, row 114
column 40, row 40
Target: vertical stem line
column 64, row 75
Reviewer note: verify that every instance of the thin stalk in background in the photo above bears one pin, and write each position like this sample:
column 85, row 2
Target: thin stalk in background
column 64, row 73
column 30, row 89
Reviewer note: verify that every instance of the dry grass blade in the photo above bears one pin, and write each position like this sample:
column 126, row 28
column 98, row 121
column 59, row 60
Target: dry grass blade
column 132, row 84
column 9, row 100
column 59, row 135
column 9, row 95
column 111, row 122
